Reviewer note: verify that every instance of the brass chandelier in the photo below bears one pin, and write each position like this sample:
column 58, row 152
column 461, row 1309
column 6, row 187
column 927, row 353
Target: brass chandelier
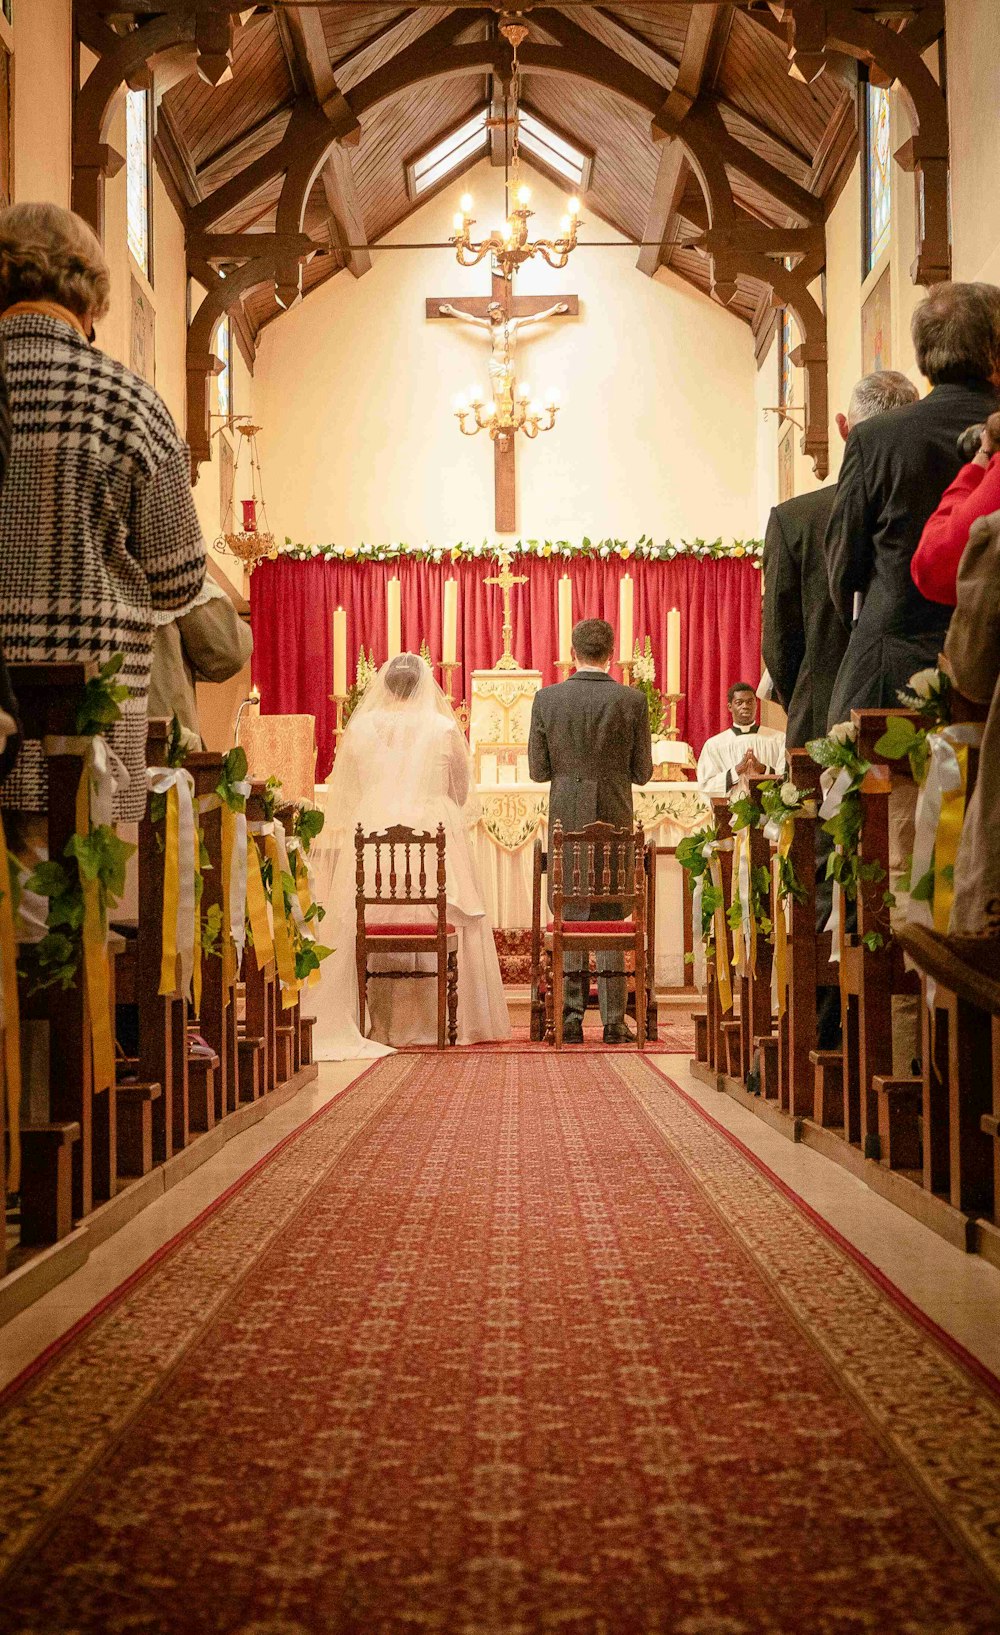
column 511, row 245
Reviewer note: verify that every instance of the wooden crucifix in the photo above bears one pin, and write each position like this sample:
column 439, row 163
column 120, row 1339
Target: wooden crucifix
column 518, row 311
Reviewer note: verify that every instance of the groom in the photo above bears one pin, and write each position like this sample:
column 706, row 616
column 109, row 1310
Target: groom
column 590, row 737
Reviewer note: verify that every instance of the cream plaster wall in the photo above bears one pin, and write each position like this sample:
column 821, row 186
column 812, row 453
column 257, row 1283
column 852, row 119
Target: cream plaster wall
column 974, row 101
column 355, row 391
column 42, row 100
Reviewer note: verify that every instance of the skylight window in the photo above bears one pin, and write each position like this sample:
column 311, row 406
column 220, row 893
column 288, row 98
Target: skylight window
column 452, row 153
column 554, row 150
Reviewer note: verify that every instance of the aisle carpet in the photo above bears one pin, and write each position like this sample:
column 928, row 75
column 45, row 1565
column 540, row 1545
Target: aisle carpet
column 497, row 1347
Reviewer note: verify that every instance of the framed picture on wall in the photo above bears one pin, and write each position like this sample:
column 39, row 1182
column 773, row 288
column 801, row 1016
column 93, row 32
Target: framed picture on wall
column 876, row 327
column 6, row 124
column 143, row 347
column 786, row 465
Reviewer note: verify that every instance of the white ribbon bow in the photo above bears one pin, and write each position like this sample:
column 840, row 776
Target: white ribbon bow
column 835, row 787
column 160, row 780
column 282, row 844
column 238, row 877
column 106, row 772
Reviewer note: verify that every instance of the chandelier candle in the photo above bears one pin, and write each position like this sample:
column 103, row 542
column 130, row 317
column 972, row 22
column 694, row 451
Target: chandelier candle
column 339, row 653
column 625, row 621
column 393, row 620
column 565, row 620
column 449, row 622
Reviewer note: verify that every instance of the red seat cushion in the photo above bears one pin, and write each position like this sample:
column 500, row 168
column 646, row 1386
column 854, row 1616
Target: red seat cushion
column 624, row 928
column 405, row 929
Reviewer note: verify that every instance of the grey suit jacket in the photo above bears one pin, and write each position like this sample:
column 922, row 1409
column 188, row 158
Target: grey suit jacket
column 590, row 738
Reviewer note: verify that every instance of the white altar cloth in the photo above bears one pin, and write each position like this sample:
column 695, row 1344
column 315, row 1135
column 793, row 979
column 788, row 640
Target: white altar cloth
column 503, row 844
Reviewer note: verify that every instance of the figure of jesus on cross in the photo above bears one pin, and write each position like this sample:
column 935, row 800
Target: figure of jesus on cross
column 503, row 314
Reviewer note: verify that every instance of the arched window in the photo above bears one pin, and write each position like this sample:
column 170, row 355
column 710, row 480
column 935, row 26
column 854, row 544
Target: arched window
column 224, row 379
column 786, row 368
column 138, row 160
column 877, row 174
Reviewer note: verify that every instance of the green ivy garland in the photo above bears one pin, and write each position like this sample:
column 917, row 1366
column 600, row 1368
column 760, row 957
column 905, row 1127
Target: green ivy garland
column 644, row 548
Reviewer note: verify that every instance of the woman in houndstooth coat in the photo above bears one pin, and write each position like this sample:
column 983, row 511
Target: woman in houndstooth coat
column 98, row 530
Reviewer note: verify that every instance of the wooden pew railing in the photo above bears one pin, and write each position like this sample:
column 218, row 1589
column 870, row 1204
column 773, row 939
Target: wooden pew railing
column 937, row 1130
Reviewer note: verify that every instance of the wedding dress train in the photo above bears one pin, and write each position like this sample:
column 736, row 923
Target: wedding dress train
column 403, row 760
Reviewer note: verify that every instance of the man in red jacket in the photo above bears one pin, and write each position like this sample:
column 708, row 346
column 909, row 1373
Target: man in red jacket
column 975, row 493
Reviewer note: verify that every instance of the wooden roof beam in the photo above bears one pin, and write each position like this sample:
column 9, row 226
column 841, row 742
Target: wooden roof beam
column 704, row 43
column 781, row 142
column 303, row 28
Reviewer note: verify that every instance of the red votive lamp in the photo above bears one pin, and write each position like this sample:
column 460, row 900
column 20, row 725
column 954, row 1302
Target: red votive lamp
column 249, row 516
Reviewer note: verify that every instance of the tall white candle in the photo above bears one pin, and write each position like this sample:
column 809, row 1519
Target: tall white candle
column 339, row 653
column 565, row 619
column 625, row 620
column 393, row 620
column 449, row 622
column 673, row 652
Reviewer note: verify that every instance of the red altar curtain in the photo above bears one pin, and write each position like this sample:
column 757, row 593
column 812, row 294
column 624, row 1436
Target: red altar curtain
column 292, row 604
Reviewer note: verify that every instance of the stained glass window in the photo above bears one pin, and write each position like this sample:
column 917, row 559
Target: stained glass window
column 878, row 175
column 223, row 351
column 137, row 162
column 786, row 368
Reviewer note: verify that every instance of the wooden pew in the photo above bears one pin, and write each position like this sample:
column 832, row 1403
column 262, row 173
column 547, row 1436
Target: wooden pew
column 163, row 1022
column 216, row 1022
column 802, row 1076
column 260, row 985
column 60, row 1154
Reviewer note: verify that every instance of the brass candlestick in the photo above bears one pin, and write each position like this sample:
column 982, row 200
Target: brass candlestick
column 448, row 668
column 672, row 700
column 626, row 665
column 564, row 666
column 338, row 730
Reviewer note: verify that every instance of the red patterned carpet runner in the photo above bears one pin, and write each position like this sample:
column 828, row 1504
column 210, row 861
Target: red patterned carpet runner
column 497, row 1347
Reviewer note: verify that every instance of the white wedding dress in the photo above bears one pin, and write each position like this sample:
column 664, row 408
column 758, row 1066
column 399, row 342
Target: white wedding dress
column 403, row 760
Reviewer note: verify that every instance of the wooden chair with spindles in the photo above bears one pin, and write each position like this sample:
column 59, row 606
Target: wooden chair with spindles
column 540, row 866
column 596, row 871
column 394, row 892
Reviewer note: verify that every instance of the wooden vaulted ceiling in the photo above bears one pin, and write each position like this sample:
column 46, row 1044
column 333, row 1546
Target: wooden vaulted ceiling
column 804, row 132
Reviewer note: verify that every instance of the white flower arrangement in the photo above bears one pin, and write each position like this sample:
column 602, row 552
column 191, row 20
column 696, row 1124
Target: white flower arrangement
column 925, row 684
column 791, row 795
column 845, row 732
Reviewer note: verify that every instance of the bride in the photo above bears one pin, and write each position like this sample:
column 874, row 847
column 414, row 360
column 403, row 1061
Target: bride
column 403, row 760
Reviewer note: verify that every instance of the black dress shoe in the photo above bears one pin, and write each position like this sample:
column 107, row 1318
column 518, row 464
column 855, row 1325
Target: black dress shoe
column 619, row 1033
column 573, row 1033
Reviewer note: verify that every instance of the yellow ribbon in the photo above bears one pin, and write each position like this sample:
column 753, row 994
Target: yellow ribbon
column 229, row 972
column 97, row 987
column 949, row 833
column 171, row 894
column 284, row 952
column 11, row 1019
column 722, row 976
column 263, row 943
column 305, row 903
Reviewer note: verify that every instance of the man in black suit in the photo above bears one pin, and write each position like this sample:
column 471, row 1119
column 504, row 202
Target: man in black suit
column 590, row 737
column 804, row 640
column 896, row 467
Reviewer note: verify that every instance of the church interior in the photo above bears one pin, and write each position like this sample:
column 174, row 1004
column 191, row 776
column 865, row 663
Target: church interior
column 500, row 908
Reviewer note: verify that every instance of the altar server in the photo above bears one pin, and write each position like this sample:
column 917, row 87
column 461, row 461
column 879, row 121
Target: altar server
column 743, row 749
column 404, row 760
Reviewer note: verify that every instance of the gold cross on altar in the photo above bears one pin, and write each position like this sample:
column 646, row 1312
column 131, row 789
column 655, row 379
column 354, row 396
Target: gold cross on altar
column 506, row 580
column 519, row 310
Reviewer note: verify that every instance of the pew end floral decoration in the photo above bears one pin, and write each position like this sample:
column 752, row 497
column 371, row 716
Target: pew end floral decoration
column 927, row 695
column 94, row 857
column 782, row 802
column 844, row 772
